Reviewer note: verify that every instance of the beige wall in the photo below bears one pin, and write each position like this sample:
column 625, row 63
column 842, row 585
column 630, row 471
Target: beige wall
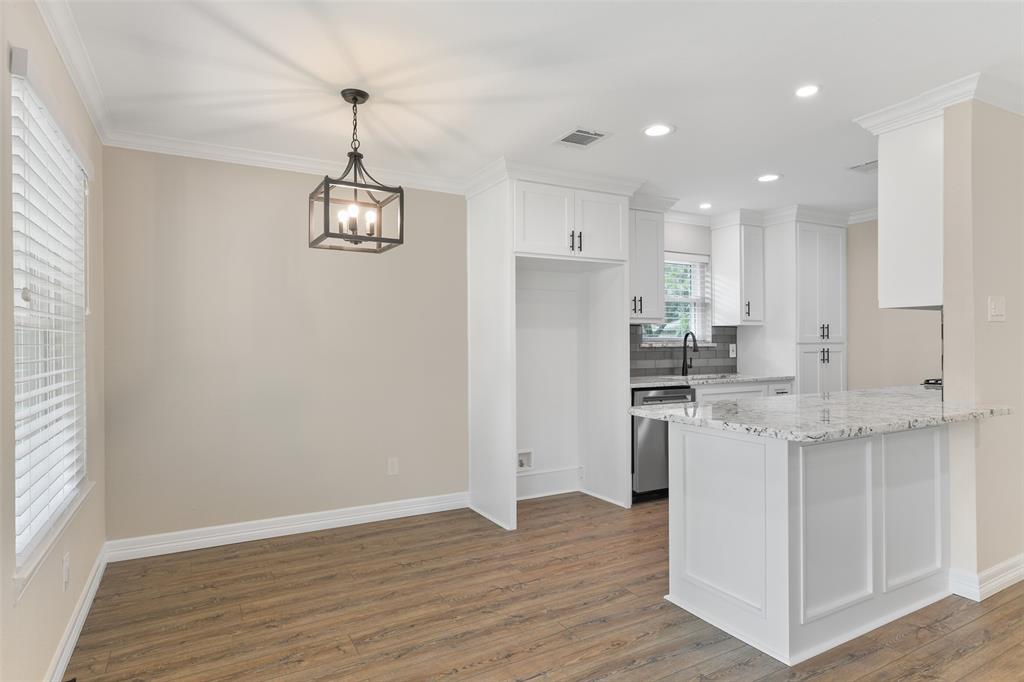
column 984, row 252
column 35, row 615
column 886, row 347
column 250, row 376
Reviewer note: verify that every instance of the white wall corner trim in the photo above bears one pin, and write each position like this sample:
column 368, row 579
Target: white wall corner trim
column 68, row 641
column 545, row 482
column 230, row 533
column 862, row 216
column 983, row 585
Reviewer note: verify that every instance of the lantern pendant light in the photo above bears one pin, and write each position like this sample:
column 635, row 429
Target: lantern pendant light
column 355, row 212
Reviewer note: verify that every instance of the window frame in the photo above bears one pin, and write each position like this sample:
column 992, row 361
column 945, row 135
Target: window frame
column 37, row 548
column 680, row 257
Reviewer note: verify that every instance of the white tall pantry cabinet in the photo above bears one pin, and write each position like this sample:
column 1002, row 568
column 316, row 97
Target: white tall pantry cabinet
column 548, row 338
column 804, row 331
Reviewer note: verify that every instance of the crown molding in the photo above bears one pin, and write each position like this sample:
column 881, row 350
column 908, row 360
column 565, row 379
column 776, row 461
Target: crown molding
column 273, row 160
column 862, row 216
column 806, row 214
column 743, row 216
column 697, row 219
column 651, row 202
column 63, row 28
column 930, row 104
column 507, row 169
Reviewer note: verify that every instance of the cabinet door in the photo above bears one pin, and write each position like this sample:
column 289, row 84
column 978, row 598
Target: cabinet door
column 832, row 282
column 833, row 371
column 543, row 219
column 602, row 225
column 808, row 369
column 808, row 327
column 646, row 266
column 725, row 275
column 752, row 277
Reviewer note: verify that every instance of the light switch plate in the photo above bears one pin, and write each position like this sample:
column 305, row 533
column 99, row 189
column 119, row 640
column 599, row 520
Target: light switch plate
column 997, row 309
column 732, row 350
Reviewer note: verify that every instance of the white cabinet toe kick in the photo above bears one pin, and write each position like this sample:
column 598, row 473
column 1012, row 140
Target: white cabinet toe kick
column 796, row 548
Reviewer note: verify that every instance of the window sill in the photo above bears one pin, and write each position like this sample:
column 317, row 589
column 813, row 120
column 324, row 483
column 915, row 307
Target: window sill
column 669, row 343
column 27, row 570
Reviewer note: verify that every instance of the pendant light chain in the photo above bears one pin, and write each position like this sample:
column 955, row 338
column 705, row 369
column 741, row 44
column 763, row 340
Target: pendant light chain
column 355, row 128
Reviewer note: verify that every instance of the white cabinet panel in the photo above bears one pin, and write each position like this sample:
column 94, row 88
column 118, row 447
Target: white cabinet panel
column 821, row 368
column 601, row 225
column 808, row 368
column 737, row 275
column 752, row 280
column 835, row 513
column 716, row 392
column 543, row 219
column 821, row 284
column 807, row 327
column 832, row 283
column 833, row 371
column 646, row 266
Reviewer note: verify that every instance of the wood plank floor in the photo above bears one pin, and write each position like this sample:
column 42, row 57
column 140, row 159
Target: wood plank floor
column 575, row 593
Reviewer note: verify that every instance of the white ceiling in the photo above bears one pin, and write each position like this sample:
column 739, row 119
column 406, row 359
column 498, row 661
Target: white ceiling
column 456, row 86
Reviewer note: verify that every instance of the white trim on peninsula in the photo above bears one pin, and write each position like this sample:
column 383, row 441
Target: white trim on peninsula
column 230, row 533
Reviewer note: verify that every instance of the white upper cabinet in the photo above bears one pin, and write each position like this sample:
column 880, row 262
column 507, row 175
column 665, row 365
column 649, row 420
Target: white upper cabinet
column 646, row 266
column 558, row 221
column 820, row 283
column 737, row 274
column 602, row 225
column 543, row 218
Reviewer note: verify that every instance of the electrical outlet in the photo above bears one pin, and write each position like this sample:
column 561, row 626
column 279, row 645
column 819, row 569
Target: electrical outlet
column 392, row 466
column 65, row 571
column 997, row 309
column 525, row 460
column 732, row 350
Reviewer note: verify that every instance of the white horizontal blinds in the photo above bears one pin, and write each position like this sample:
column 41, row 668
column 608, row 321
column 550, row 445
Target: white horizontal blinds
column 49, row 207
column 687, row 298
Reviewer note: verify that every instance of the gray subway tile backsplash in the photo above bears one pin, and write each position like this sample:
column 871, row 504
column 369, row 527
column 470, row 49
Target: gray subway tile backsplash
column 712, row 358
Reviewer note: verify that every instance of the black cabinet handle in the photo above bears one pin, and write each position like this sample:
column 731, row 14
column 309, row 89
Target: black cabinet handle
column 828, row 332
column 828, row 356
column 822, row 356
column 748, row 308
column 572, row 240
column 580, row 249
column 634, row 305
column 641, row 305
column 821, row 335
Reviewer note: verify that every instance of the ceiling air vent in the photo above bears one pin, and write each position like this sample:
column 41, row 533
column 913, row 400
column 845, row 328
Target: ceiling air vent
column 868, row 167
column 581, row 138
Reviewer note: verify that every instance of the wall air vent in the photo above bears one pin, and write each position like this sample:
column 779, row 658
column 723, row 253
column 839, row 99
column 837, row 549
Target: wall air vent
column 580, row 138
column 868, row 167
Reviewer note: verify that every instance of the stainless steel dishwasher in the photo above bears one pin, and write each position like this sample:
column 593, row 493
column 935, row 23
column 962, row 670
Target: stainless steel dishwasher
column 650, row 437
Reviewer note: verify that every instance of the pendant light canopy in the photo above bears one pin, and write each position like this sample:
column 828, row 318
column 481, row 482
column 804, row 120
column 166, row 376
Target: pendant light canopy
column 355, row 212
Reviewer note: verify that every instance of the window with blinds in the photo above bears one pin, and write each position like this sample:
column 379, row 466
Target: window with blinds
column 687, row 299
column 48, row 187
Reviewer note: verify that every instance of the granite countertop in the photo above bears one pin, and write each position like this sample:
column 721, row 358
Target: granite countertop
column 701, row 380
column 815, row 418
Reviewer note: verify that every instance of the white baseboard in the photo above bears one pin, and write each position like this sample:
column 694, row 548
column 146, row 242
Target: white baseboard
column 59, row 664
column 544, row 482
column 230, row 533
column 979, row 586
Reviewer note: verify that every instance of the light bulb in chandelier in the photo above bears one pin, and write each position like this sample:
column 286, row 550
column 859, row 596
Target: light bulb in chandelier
column 371, row 222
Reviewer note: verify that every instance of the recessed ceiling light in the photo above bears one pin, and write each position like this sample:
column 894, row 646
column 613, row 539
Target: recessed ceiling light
column 658, row 129
column 809, row 90
column 768, row 177
column 705, row 206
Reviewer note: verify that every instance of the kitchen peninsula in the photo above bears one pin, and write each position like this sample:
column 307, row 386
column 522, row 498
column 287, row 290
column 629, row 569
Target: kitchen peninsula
column 799, row 522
